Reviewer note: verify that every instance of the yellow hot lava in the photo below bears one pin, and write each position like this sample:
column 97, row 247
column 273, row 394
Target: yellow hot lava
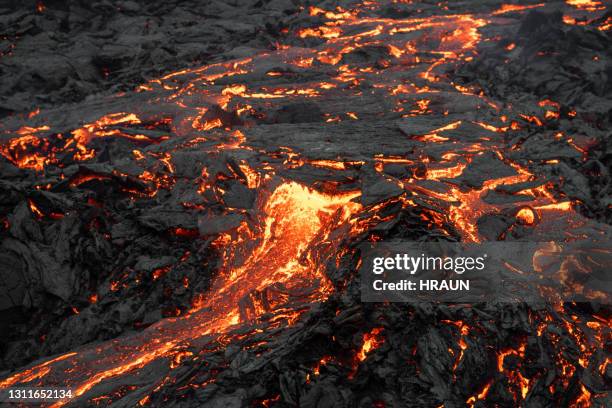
column 371, row 341
column 296, row 219
column 284, row 253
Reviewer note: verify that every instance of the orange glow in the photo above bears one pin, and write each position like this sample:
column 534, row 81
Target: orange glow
column 532, row 119
column 84, row 178
column 273, row 259
column 159, row 272
column 35, row 210
column 507, row 8
column 481, row 395
column 28, row 151
column 584, row 399
column 331, row 164
column 603, row 366
column 588, row 5
column 465, row 215
column 396, row 52
column 234, row 90
column 294, row 220
column 316, row 369
column 548, row 102
column 371, row 341
column 551, row 115
column 251, row 175
column 99, row 128
column 320, row 32
column 286, row 233
column 448, row 172
column 526, row 215
column 34, row 372
column 432, row 138
column 340, row 14
column 563, row 206
column 208, row 124
column 491, row 127
column 515, row 377
column 138, row 362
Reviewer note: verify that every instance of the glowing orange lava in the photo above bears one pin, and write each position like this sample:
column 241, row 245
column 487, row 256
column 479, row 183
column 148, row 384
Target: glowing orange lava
column 281, row 258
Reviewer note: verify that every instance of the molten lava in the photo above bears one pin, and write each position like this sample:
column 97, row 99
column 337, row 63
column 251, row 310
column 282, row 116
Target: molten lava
column 281, row 262
column 273, row 265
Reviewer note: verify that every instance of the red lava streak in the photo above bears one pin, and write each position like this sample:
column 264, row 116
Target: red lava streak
column 295, row 221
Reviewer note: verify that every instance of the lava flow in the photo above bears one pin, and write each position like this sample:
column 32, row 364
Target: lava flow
column 253, row 178
column 280, row 267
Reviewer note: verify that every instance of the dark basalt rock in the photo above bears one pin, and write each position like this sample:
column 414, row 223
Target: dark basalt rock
column 96, row 253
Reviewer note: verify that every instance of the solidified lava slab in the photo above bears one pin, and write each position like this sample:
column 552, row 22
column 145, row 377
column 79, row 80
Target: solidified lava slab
column 184, row 186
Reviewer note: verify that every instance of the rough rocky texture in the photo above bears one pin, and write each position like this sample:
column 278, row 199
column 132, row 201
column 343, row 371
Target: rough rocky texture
column 163, row 132
column 71, row 50
column 570, row 65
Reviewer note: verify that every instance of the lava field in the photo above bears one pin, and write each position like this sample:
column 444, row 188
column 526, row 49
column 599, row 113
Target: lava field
column 184, row 186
